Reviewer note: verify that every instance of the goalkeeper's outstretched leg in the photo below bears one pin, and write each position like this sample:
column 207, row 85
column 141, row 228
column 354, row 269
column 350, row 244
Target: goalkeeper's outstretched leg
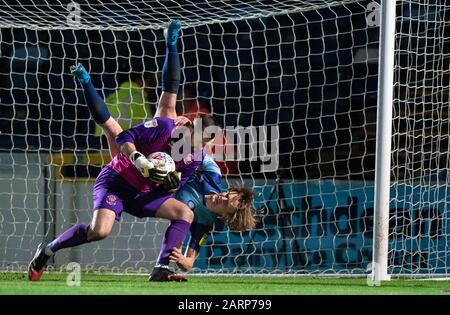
column 98, row 108
column 100, row 227
column 167, row 101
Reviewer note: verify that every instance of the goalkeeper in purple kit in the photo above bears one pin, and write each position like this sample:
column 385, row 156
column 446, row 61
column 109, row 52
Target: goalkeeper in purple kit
column 128, row 150
column 132, row 183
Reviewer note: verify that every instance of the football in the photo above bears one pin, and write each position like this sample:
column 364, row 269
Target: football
column 162, row 160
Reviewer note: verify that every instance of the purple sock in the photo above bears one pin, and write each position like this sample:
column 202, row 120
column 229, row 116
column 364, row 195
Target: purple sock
column 76, row 235
column 174, row 237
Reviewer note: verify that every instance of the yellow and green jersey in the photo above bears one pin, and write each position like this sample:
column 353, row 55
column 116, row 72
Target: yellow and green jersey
column 128, row 105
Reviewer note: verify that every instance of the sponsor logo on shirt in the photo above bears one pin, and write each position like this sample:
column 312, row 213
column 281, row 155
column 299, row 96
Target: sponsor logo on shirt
column 191, row 204
column 111, row 200
column 151, row 123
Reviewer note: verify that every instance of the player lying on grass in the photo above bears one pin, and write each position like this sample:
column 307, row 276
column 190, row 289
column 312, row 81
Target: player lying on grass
column 112, row 192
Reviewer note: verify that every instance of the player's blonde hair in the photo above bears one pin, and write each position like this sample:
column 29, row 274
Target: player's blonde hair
column 243, row 218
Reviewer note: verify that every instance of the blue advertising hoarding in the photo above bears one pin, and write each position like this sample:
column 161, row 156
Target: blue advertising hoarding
column 327, row 226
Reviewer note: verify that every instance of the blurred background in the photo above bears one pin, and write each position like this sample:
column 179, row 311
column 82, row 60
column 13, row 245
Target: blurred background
column 313, row 74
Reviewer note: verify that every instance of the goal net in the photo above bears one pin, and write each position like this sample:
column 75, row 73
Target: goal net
column 309, row 68
column 419, row 217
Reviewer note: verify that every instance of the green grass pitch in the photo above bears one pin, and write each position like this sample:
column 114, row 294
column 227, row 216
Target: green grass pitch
column 55, row 283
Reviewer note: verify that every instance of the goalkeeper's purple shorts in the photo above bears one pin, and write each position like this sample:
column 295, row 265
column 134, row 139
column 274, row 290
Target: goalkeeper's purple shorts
column 112, row 192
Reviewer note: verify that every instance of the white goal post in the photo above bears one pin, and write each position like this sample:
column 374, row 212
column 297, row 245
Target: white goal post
column 359, row 90
column 383, row 143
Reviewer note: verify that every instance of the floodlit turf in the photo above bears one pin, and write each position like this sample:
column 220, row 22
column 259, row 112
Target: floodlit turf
column 55, row 283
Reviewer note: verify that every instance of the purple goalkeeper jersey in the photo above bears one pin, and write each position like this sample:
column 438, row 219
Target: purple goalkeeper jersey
column 151, row 136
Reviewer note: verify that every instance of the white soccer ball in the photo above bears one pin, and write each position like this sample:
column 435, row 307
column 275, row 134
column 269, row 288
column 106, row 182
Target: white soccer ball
column 162, row 161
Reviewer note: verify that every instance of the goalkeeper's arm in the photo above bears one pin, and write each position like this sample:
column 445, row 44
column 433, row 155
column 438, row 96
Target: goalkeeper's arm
column 199, row 234
column 185, row 262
